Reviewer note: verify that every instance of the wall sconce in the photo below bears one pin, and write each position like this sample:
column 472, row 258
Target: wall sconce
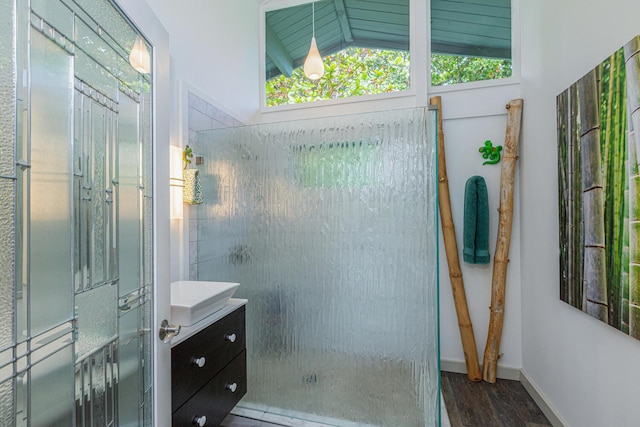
column 139, row 58
column 176, row 182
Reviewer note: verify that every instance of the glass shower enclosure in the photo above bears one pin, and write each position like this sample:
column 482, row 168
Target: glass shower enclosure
column 330, row 226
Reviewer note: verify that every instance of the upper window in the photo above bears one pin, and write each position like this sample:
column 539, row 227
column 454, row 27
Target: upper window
column 470, row 41
column 364, row 46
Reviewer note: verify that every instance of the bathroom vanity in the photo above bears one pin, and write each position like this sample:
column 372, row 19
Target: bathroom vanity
column 208, row 367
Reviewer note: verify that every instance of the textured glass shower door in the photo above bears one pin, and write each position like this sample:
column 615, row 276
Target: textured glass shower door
column 330, row 226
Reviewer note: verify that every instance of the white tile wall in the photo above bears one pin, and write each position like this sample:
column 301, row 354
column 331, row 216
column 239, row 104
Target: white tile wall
column 201, row 115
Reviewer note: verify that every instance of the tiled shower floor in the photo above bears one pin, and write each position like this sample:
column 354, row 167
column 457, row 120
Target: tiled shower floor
column 332, row 383
column 241, row 417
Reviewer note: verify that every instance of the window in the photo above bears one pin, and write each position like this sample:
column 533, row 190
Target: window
column 470, row 41
column 364, row 45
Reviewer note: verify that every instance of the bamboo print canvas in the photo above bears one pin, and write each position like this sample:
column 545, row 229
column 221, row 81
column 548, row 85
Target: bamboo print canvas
column 598, row 191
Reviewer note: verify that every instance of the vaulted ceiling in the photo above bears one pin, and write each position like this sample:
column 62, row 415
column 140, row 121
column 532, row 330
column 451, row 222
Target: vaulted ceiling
column 464, row 27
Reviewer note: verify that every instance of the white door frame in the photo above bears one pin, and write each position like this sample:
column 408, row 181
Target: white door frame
column 147, row 22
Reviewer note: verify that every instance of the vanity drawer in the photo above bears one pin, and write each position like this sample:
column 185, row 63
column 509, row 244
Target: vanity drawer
column 217, row 398
column 197, row 359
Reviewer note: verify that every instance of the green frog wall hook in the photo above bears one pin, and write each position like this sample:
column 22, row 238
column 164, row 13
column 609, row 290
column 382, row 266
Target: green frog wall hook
column 187, row 154
column 490, row 152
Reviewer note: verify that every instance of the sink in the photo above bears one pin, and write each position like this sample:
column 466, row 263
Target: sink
column 192, row 301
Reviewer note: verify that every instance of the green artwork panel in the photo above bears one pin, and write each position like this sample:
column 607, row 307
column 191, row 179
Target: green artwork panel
column 599, row 207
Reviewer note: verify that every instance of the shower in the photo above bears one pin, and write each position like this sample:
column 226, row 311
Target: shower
column 330, row 226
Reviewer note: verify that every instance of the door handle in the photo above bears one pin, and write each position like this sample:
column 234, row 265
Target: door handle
column 168, row 331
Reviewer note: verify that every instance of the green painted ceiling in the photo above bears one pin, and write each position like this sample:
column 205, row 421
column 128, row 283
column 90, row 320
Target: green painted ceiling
column 464, row 27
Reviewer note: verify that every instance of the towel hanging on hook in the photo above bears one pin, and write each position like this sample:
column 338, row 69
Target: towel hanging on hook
column 476, row 221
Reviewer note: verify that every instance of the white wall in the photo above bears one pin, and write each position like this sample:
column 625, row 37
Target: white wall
column 214, row 47
column 470, row 118
column 583, row 367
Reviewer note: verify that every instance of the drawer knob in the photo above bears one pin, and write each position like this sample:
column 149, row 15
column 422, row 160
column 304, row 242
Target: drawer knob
column 199, row 362
column 200, row 421
column 232, row 387
column 230, row 337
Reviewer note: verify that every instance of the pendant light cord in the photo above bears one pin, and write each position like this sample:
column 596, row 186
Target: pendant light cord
column 313, row 18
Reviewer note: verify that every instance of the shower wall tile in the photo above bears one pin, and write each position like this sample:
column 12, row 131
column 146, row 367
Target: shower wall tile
column 199, row 121
column 202, row 116
column 193, row 250
column 197, row 103
column 193, row 271
column 193, row 230
column 193, row 137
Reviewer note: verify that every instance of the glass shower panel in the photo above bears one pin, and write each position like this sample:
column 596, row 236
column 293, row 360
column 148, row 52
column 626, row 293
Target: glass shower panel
column 146, row 114
column 95, row 388
column 147, row 364
column 330, row 226
column 97, row 311
column 119, row 31
column 7, row 251
column 80, row 195
column 97, row 62
column 129, row 378
column 50, row 242
column 111, row 232
column 52, row 390
column 7, row 416
column 8, row 125
column 56, row 13
column 21, row 160
column 98, row 183
column 7, row 87
column 129, row 238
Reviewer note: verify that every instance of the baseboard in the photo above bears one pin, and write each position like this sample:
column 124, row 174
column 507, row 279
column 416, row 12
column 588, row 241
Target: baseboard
column 459, row 367
column 544, row 405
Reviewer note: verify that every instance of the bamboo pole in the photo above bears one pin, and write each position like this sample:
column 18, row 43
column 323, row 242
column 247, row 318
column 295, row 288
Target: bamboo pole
column 451, row 248
column 501, row 257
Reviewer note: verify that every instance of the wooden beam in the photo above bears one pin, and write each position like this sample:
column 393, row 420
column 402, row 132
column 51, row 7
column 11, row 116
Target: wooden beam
column 344, row 21
column 278, row 53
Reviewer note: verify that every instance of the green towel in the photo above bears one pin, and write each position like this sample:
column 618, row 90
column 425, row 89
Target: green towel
column 476, row 221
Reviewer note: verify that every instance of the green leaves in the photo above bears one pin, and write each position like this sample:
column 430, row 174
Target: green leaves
column 452, row 69
column 351, row 72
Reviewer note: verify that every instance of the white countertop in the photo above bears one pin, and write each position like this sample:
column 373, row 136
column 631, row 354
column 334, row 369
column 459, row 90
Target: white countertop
column 187, row 331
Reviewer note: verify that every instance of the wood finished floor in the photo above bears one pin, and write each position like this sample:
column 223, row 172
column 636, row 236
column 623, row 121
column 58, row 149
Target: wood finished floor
column 503, row 404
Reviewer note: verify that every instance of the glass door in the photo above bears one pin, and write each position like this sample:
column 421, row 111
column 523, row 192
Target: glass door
column 76, row 261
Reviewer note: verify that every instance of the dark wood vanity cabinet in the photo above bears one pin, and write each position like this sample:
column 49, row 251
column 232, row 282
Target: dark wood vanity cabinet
column 208, row 372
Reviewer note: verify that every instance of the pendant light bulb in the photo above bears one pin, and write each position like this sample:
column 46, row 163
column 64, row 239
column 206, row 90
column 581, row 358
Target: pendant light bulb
column 313, row 66
column 139, row 58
